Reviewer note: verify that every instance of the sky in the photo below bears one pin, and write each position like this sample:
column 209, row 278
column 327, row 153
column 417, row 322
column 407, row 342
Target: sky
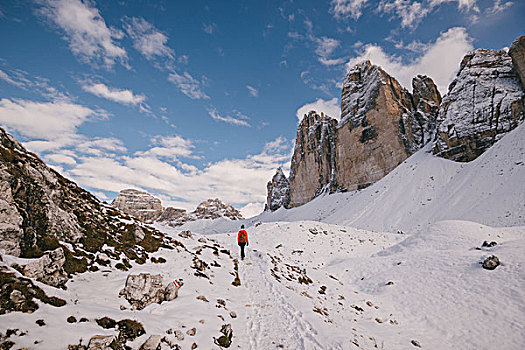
column 190, row 100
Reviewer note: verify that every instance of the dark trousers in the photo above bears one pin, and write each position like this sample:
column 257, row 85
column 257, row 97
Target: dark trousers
column 242, row 245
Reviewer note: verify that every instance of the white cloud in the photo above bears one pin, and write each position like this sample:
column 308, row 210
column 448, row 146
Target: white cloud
column 239, row 119
column 342, row 9
column 499, row 6
column 122, row 96
column 326, row 46
column 43, row 120
column 60, row 159
column 236, row 181
column 88, row 36
column 188, row 85
column 411, row 13
column 5, row 77
column 253, row 91
column 328, row 107
column 169, row 147
column 209, row 28
column 439, row 61
column 147, row 39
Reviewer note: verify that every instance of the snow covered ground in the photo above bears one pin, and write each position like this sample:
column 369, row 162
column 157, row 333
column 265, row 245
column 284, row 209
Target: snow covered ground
column 390, row 267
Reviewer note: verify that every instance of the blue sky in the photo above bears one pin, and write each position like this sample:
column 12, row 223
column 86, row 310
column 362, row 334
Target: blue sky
column 196, row 100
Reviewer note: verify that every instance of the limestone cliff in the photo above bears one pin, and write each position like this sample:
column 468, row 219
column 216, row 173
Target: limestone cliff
column 381, row 125
column 517, row 53
column 485, row 101
column 139, row 204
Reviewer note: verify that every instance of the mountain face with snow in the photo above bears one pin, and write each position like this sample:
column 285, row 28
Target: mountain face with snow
column 139, row 204
column 210, row 209
column 278, row 191
column 517, row 53
column 484, row 102
column 381, row 125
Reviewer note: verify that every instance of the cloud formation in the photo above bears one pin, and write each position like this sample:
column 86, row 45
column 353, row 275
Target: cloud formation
column 253, row 91
column 147, row 39
column 89, row 38
column 238, row 119
column 188, row 85
column 121, row 96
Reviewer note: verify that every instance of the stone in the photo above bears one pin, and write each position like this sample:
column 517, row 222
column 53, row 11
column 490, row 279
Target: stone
column 490, row 263
column 233, row 314
column 415, row 343
column 179, row 335
column 152, row 343
column 225, row 340
column 144, row 289
column 517, row 53
column 278, row 191
column 138, row 233
column 185, row 234
column 484, row 102
column 101, row 342
column 139, row 204
column 71, row 319
column 489, row 245
column 48, row 269
column 191, row 332
column 194, row 346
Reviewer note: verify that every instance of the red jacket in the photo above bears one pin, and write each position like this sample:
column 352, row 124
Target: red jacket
column 239, row 236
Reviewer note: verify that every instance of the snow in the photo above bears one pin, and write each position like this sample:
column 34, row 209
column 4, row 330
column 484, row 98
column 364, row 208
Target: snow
column 377, row 268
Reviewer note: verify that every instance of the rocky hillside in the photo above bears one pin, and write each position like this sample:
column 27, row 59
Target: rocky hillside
column 49, row 218
column 381, row 125
column 139, row 204
column 484, row 102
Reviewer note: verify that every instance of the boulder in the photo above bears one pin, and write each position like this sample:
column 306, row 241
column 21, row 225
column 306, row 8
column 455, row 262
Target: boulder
column 153, row 343
column 484, row 102
column 48, row 269
column 144, row 289
column 139, row 204
column 101, row 342
column 490, row 263
column 225, row 340
column 278, row 191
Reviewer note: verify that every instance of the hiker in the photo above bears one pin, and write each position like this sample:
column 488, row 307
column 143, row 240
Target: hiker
column 242, row 240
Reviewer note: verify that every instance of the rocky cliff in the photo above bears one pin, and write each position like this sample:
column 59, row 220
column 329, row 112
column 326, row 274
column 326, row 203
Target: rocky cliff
column 278, row 191
column 381, row 125
column 484, row 102
column 48, row 217
column 517, row 53
column 139, row 204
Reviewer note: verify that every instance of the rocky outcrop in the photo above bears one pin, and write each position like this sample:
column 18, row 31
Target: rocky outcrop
column 314, row 158
column 517, row 54
column 139, row 204
column 381, row 125
column 145, row 289
column 278, row 191
column 171, row 214
column 210, row 209
column 484, row 102
column 41, row 211
column 48, row 269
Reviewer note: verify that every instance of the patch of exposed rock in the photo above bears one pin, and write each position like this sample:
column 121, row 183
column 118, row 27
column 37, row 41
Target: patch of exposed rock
column 139, row 204
column 144, row 289
column 278, row 191
column 171, row 214
column 48, row 269
column 483, row 103
column 381, row 125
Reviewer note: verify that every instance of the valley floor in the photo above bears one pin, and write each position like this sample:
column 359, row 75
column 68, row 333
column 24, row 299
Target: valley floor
column 310, row 285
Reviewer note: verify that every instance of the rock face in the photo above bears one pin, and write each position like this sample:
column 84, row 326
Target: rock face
column 171, row 214
column 381, row 125
column 145, row 289
column 484, row 102
column 278, row 191
column 517, row 53
column 48, row 269
column 139, row 204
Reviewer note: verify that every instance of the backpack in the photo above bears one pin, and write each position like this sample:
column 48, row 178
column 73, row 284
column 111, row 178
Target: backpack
column 242, row 237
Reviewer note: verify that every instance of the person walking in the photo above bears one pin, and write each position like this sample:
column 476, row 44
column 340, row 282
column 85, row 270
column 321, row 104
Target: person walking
column 242, row 240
